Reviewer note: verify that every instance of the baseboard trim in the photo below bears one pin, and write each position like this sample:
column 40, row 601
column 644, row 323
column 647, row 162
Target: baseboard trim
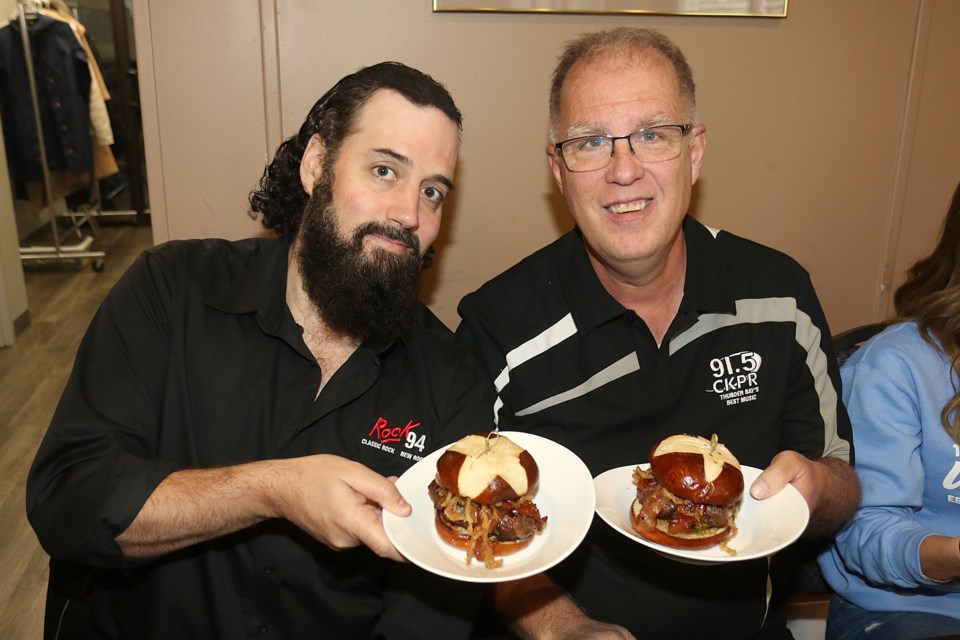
column 21, row 323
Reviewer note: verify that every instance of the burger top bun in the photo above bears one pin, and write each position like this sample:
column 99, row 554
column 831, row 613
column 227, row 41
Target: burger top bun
column 697, row 469
column 487, row 470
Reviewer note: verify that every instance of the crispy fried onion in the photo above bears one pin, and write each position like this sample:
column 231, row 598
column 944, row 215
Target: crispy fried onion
column 481, row 522
column 676, row 516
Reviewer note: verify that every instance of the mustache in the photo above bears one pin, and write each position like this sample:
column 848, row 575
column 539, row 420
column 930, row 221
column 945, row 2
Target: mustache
column 397, row 234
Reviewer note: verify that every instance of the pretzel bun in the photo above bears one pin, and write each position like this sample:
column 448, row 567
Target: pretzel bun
column 697, row 469
column 487, row 470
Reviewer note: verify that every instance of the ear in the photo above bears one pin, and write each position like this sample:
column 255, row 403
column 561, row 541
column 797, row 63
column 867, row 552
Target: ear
column 697, row 148
column 311, row 164
column 556, row 165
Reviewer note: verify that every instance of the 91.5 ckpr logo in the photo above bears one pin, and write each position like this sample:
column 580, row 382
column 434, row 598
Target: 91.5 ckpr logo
column 735, row 377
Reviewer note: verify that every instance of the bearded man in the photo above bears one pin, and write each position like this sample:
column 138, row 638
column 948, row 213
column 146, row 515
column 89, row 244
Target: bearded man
column 219, row 460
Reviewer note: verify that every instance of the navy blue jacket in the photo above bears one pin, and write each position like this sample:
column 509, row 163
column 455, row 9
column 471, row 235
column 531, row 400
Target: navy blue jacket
column 63, row 90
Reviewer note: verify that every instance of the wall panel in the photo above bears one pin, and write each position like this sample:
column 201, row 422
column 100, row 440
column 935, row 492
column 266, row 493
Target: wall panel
column 805, row 119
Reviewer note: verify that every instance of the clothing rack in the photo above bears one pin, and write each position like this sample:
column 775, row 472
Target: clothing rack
column 58, row 252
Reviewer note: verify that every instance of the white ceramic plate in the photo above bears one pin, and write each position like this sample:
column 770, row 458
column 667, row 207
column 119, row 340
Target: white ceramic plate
column 565, row 496
column 763, row 526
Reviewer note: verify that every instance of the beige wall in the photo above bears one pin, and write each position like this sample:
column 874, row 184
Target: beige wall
column 931, row 164
column 13, row 292
column 830, row 132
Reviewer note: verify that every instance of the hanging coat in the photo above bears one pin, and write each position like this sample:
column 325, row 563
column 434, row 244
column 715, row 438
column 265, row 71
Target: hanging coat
column 63, row 91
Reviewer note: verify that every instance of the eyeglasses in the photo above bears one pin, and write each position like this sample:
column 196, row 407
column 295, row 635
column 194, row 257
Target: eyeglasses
column 652, row 144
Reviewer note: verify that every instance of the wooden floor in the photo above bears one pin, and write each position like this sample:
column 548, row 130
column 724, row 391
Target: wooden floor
column 32, row 375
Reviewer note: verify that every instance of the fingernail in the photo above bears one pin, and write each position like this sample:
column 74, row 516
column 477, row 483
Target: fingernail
column 759, row 489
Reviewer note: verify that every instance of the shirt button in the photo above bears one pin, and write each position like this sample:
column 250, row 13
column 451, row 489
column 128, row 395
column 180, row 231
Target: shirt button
column 268, row 569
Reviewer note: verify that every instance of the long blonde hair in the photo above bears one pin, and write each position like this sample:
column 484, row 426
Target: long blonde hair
column 931, row 298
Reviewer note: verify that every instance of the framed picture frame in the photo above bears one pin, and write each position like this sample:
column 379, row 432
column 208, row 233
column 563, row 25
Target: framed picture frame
column 733, row 8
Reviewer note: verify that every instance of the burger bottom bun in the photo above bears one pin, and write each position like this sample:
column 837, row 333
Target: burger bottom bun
column 462, row 541
column 661, row 537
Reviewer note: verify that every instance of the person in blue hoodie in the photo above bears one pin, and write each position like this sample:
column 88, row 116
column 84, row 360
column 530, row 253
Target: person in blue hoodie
column 895, row 567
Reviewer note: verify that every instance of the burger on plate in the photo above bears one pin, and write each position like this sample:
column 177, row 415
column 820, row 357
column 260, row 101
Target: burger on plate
column 482, row 495
column 690, row 495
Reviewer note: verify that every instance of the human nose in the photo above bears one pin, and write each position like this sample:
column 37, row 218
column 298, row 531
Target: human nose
column 624, row 166
column 405, row 210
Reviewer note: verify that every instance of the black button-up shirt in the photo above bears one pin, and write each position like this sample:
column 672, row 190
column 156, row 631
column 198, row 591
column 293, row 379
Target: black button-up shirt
column 194, row 360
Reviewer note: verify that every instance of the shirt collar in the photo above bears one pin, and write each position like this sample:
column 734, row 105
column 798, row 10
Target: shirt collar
column 589, row 303
column 261, row 288
column 40, row 23
column 705, row 289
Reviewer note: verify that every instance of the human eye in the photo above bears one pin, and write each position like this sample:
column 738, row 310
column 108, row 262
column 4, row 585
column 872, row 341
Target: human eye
column 383, row 172
column 647, row 137
column 433, row 194
column 593, row 143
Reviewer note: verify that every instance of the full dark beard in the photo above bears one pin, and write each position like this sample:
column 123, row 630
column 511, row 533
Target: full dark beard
column 366, row 297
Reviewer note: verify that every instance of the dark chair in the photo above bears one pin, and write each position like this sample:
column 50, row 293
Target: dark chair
column 847, row 342
column 806, row 582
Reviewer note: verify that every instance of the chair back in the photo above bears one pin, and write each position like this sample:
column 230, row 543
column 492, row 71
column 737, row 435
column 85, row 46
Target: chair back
column 808, row 584
column 847, row 342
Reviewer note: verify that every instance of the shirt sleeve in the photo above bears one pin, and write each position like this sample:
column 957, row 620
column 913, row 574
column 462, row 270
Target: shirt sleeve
column 474, row 339
column 882, row 542
column 94, row 468
column 471, row 398
column 815, row 421
column 418, row 604
column 490, row 355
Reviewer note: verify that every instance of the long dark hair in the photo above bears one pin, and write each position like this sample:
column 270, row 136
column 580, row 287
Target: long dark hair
column 931, row 298
column 280, row 196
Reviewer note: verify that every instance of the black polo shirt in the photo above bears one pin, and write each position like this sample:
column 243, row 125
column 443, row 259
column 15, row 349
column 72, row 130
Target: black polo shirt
column 747, row 357
column 195, row 361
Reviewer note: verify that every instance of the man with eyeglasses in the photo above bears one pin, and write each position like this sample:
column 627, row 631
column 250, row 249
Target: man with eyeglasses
column 643, row 323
